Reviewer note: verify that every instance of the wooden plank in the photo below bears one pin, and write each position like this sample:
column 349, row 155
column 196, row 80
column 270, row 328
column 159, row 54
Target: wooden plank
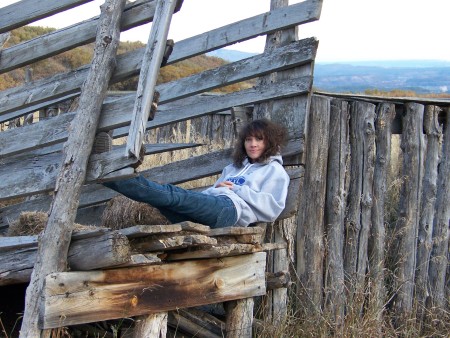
column 182, row 110
column 17, row 242
column 40, row 170
column 70, row 37
column 163, row 243
column 24, row 12
column 112, row 113
column 81, row 297
column 151, row 63
column 129, row 65
column 145, row 230
column 224, row 251
column 229, row 231
column 281, row 18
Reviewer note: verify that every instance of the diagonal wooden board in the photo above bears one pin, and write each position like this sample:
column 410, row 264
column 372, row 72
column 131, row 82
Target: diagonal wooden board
column 81, row 297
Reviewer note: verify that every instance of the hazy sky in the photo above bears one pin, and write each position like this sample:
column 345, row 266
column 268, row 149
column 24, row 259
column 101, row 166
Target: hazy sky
column 348, row 30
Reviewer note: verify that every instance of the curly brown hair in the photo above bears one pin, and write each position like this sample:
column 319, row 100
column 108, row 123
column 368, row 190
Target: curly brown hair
column 274, row 136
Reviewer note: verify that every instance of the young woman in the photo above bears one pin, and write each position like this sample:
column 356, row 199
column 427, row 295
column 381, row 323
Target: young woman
column 251, row 189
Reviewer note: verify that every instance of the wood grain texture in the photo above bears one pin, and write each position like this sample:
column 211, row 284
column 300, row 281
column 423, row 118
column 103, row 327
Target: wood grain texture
column 81, row 297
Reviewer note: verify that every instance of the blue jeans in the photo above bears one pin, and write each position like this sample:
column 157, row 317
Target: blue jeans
column 178, row 204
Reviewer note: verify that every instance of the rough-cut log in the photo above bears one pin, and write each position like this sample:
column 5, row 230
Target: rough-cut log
column 433, row 132
column 174, row 242
column 55, row 241
column 439, row 253
column 310, row 245
column 145, row 230
column 201, row 319
column 151, row 63
column 239, row 318
column 95, row 252
column 408, row 221
column 385, row 114
column 278, row 280
column 81, row 297
column 152, row 326
column 358, row 220
column 224, row 251
column 181, row 323
column 337, row 184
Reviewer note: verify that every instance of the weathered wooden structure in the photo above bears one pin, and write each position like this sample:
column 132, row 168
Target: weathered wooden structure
column 350, row 260
column 71, row 174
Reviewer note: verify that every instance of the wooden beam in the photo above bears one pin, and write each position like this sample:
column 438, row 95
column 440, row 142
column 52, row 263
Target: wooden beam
column 24, row 12
column 70, row 37
column 112, row 112
column 60, row 85
column 81, row 297
column 151, row 63
column 224, row 251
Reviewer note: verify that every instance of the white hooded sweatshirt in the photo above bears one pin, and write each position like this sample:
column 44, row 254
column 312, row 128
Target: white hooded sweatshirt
column 259, row 190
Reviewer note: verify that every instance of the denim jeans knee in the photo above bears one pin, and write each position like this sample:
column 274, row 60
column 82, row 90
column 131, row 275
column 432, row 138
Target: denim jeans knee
column 228, row 216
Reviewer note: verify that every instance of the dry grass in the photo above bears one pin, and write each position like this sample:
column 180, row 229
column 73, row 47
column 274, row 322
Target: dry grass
column 33, row 223
column 123, row 212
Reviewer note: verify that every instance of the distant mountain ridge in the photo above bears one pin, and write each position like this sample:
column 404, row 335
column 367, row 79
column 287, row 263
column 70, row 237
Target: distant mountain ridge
column 420, row 76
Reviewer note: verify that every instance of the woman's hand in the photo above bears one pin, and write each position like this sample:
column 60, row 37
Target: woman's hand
column 225, row 184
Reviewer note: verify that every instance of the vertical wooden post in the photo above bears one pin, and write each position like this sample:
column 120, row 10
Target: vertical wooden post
column 336, row 197
column 54, row 244
column 358, row 220
column 385, row 114
column 408, row 220
column 151, row 326
column 433, row 132
column 239, row 318
column 439, row 253
column 310, row 230
column 291, row 113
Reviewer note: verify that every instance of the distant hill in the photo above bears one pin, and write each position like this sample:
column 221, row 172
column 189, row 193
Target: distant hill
column 420, row 76
column 230, row 55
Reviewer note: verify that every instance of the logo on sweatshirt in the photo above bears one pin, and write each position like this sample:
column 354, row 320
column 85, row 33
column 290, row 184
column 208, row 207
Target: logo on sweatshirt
column 238, row 180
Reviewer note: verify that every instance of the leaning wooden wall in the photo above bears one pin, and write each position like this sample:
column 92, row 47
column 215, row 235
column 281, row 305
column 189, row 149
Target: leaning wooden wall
column 180, row 100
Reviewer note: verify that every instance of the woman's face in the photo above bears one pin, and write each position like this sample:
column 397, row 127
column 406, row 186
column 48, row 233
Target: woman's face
column 254, row 147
